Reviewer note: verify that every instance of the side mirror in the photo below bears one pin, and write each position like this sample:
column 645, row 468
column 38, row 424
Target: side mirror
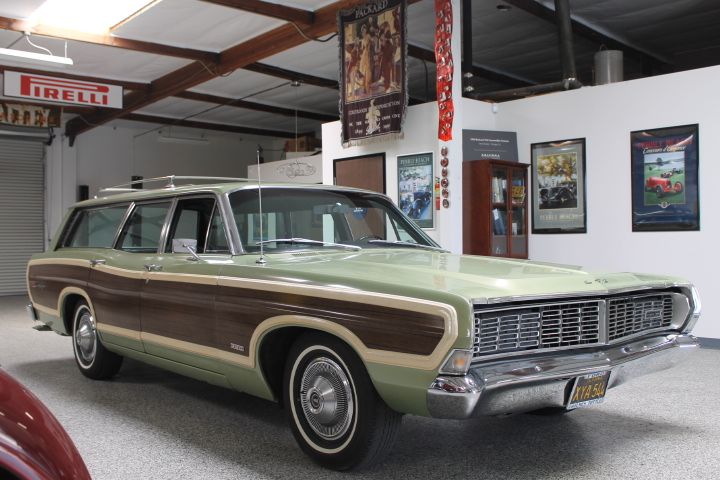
column 185, row 245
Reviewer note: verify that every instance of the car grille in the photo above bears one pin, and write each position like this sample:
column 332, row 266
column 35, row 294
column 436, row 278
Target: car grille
column 568, row 324
column 627, row 316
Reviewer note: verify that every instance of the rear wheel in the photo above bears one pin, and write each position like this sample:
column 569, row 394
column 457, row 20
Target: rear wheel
column 335, row 414
column 92, row 358
column 659, row 191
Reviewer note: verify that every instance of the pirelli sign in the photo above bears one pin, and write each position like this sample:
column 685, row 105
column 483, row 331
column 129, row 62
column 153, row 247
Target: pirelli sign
column 62, row 90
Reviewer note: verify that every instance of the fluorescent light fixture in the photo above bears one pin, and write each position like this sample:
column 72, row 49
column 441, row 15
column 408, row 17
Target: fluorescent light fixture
column 35, row 58
column 90, row 16
column 186, row 140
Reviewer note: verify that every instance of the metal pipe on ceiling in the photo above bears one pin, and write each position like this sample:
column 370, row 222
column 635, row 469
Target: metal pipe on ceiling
column 564, row 23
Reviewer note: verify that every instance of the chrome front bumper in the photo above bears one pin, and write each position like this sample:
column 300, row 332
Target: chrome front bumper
column 521, row 385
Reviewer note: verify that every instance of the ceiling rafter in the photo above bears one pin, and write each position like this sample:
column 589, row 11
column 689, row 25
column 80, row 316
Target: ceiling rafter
column 222, row 127
column 274, row 10
column 589, row 33
column 22, row 26
column 260, row 107
column 305, row 78
column 143, row 87
column 283, row 73
column 251, row 51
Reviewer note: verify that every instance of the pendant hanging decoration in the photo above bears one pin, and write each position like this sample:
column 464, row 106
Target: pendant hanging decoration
column 444, row 63
column 373, row 80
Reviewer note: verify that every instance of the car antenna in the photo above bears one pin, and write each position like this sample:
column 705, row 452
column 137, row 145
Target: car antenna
column 261, row 260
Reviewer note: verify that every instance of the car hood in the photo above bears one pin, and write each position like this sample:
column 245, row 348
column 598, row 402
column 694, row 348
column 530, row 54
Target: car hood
column 473, row 277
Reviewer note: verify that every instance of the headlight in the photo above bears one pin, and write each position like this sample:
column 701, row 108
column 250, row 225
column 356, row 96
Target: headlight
column 457, row 363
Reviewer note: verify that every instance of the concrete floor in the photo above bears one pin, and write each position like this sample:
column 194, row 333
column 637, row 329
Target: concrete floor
column 148, row 423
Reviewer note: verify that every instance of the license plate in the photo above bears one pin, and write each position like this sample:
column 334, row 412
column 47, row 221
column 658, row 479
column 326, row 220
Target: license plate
column 589, row 390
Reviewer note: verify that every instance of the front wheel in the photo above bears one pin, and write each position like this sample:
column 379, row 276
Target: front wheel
column 335, row 414
column 92, row 358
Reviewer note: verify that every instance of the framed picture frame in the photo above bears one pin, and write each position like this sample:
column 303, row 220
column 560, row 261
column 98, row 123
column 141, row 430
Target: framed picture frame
column 664, row 176
column 558, row 186
column 416, row 188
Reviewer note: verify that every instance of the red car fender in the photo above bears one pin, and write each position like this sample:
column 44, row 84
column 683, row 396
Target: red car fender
column 33, row 444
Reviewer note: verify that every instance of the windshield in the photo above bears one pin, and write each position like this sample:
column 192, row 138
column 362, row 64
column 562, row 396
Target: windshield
column 326, row 217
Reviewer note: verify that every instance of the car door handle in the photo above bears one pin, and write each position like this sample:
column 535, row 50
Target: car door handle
column 97, row 261
column 153, row 268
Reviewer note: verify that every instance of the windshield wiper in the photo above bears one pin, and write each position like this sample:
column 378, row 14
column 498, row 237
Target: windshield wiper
column 409, row 244
column 309, row 242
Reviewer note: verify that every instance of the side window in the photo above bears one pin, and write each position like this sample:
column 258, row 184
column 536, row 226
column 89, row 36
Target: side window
column 95, row 228
column 196, row 219
column 217, row 240
column 141, row 233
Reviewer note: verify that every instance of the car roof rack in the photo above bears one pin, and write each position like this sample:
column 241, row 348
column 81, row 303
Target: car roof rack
column 169, row 181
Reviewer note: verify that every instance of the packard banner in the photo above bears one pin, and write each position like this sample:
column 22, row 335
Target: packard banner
column 373, row 85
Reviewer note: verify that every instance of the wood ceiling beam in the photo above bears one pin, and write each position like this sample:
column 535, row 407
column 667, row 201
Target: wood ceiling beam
column 589, row 33
column 259, row 107
column 21, row 26
column 274, row 10
column 178, row 122
column 189, row 76
column 142, row 87
column 283, row 73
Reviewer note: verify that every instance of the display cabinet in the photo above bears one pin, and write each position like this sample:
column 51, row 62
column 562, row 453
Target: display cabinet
column 495, row 208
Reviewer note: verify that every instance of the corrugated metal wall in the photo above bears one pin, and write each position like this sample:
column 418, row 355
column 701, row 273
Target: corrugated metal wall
column 22, row 212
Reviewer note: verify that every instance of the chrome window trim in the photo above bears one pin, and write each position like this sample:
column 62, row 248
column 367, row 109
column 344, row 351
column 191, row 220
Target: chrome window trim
column 682, row 310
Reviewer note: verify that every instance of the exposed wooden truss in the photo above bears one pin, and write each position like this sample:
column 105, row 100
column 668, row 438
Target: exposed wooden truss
column 251, row 51
column 21, row 26
column 178, row 122
column 274, row 10
column 260, row 107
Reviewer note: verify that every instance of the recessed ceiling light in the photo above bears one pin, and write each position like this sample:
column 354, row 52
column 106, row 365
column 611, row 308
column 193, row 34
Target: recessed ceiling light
column 503, row 8
column 90, row 16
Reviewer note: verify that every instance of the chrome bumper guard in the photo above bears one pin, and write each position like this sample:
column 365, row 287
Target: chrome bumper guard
column 31, row 312
column 522, row 385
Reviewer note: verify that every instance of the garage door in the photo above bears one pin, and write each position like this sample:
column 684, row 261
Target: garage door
column 22, row 213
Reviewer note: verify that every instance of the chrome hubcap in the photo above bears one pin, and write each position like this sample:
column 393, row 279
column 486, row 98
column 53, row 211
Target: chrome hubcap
column 86, row 337
column 326, row 398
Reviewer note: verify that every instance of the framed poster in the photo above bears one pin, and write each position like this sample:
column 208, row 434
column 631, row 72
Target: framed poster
column 558, row 187
column 664, row 177
column 416, row 188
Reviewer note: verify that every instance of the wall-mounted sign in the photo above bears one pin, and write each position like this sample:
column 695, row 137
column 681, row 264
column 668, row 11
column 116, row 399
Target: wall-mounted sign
column 416, row 189
column 62, row 90
column 29, row 115
column 489, row 145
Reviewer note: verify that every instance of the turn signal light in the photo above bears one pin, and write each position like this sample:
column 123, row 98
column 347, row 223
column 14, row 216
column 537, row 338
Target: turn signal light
column 457, row 363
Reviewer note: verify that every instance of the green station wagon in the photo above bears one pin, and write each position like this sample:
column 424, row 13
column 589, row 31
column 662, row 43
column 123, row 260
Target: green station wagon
column 334, row 303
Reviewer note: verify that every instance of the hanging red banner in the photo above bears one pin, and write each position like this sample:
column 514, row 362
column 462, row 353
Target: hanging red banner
column 444, row 63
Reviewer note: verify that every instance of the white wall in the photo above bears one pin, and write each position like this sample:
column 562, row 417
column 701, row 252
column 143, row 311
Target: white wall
column 605, row 116
column 111, row 155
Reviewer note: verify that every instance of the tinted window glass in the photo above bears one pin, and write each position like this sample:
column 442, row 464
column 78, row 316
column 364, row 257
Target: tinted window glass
column 355, row 218
column 96, row 228
column 194, row 219
column 142, row 232
column 217, row 240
